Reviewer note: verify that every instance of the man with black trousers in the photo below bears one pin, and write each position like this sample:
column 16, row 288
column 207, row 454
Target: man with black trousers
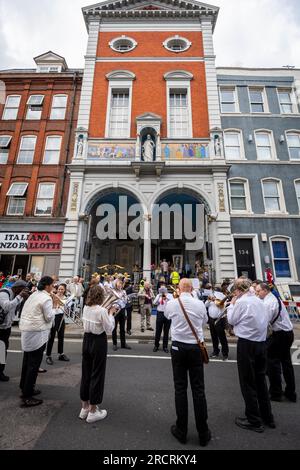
column 187, row 359
column 10, row 300
column 35, row 325
column 162, row 324
column 279, row 346
column 248, row 316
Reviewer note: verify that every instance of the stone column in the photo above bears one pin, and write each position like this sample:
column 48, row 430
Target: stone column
column 147, row 248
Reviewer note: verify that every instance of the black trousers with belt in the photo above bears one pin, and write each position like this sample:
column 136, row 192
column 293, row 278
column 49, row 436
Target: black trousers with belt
column 280, row 361
column 120, row 319
column 4, row 336
column 218, row 335
column 59, row 328
column 162, row 324
column 187, row 360
column 94, row 355
column 252, row 368
column 30, row 369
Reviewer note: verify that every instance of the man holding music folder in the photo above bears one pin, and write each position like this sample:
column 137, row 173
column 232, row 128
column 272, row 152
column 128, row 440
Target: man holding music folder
column 188, row 317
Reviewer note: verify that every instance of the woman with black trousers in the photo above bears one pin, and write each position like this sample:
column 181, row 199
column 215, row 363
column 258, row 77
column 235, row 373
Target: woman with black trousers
column 58, row 327
column 120, row 318
column 97, row 323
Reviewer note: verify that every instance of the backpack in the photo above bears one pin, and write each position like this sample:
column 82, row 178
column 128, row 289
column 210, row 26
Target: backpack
column 3, row 313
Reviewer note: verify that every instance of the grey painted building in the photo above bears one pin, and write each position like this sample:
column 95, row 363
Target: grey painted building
column 260, row 116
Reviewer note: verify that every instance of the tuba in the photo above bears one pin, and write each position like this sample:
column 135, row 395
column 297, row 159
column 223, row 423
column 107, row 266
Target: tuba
column 111, row 300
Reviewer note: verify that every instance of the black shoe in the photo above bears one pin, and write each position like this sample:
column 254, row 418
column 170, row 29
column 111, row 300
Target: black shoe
column 292, row 398
column 42, row 371
column 244, row 424
column 129, row 333
column 125, row 347
column 30, row 402
column 278, row 399
column 115, row 347
column 143, row 330
column 4, row 378
column 49, row 361
column 166, row 350
column 225, row 358
column 150, row 329
column 179, row 436
column 204, row 439
column 270, row 424
column 35, row 393
column 155, row 349
column 214, row 356
column 64, row 358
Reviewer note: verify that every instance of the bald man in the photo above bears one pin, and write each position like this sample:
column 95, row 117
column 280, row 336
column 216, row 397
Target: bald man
column 187, row 358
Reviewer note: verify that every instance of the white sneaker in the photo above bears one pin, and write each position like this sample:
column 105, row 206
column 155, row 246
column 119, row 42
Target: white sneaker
column 83, row 413
column 97, row 416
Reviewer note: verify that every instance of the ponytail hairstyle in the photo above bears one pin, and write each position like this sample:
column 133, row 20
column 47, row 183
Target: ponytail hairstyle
column 44, row 282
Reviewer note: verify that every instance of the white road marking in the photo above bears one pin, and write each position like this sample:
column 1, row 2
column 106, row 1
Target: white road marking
column 128, row 356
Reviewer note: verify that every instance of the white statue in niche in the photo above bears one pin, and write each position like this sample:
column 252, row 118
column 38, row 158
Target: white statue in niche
column 148, row 149
column 80, row 147
column 218, row 146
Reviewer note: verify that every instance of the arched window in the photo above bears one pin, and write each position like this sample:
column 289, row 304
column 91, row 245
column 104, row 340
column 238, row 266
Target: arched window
column 118, row 115
column 273, row 196
column 265, row 145
column 239, row 195
column 59, row 107
column 297, row 186
column 293, row 142
column 44, row 200
column 179, row 104
column 282, row 255
column 27, row 149
column 52, row 150
column 11, row 107
column 17, row 198
column 234, row 148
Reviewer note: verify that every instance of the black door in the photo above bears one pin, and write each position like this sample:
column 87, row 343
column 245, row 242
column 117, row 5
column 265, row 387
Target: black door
column 245, row 257
column 21, row 265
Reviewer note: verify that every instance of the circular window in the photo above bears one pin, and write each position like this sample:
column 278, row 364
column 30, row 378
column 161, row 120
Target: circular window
column 123, row 44
column 177, row 44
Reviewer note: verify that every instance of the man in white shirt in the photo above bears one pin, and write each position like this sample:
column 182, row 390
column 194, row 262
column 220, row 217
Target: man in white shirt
column 187, row 358
column 249, row 318
column 217, row 325
column 279, row 346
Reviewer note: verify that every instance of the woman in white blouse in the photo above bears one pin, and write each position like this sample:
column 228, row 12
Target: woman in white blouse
column 97, row 323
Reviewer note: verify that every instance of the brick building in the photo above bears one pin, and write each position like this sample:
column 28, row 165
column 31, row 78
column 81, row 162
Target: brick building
column 149, row 71
column 37, row 125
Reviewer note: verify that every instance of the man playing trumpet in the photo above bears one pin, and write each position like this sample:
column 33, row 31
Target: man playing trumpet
column 217, row 325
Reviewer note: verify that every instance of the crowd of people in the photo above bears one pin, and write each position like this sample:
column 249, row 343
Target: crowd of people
column 252, row 311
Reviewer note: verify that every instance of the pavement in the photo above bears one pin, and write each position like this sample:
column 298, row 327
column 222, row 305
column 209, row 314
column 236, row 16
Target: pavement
column 139, row 398
column 75, row 332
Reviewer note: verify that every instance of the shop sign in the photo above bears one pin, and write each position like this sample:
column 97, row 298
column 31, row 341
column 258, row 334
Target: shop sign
column 33, row 242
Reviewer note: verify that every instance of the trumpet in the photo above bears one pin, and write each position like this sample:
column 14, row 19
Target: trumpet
column 176, row 294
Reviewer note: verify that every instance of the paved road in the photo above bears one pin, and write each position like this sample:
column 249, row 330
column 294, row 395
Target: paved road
column 139, row 398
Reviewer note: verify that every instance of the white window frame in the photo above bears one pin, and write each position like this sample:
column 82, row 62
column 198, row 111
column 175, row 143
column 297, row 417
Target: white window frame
column 291, row 91
column 112, row 44
column 119, row 80
column 265, row 100
column 272, row 145
column 6, row 107
column 47, row 199
column 56, row 107
column 29, row 108
column 287, row 133
column 20, row 197
column 236, row 98
column 179, row 84
column 288, row 240
column 20, row 149
column 282, row 208
column 245, row 182
column 241, row 141
column 5, row 149
column 297, row 182
column 188, row 44
column 45, row 149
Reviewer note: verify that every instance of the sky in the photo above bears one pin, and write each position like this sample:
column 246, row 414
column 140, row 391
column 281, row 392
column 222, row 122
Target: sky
column 249, row 33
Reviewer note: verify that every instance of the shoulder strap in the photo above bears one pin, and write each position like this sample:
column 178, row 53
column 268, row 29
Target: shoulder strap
column 279, row 310
column 6, row 291
column 189, row 322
